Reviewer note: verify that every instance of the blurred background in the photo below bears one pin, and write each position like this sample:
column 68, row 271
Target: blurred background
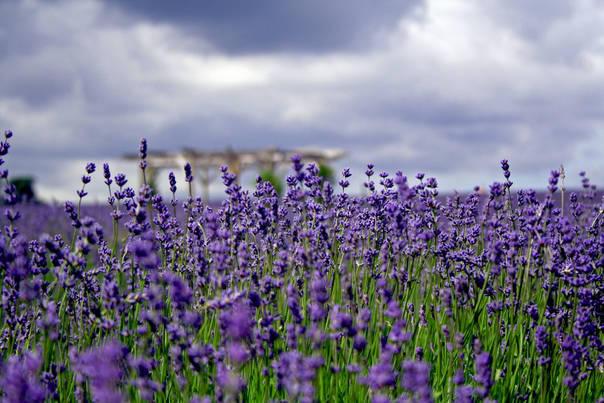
column 444, row 87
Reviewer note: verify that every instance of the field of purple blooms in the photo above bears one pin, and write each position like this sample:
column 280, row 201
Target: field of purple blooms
column 319, row 295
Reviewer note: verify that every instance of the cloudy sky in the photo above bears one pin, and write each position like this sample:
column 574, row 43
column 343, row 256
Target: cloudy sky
column 442, row 86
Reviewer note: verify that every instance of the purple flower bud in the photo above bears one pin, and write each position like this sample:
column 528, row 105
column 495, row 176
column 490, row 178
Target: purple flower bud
column 237, row 322
column 20, row 382
column 553, row 181
column 340, row 320
column 4, row 147
column 172, row 180
column 363, row 318
column 416, row 379
column 343, row 183
column 380, row 375
column 572, row 356
column 107, row 174
column 120, row 180
column 143, row 252
column 379, row 398
column 483, row 374
column 296, row 373
column 464, row 394
column 369, row 171
column 232, row 383
column 142, row 149
column 393, row 311
column 318, row 290
column 359, row 342
column 188, row 173
column 238, row 353
column 297, row 162
column 103, row 367
column 90, row 168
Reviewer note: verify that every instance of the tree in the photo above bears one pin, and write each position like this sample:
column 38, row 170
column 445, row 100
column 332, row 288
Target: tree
column 327, row 173
column 24, row 186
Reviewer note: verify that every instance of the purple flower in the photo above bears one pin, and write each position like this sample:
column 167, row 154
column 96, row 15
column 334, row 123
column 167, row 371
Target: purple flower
column 296, row 373
column 359, row 342
column 237, row 322
column 483, row 374
column 369, row 171
column 103, row 367
column 180, row 293
column 344, row 183
column 393, row 311
column 397, row 334
column 172, row 180
column 120, row 180
column 380, row 375
column 416, row 379
column 90, row 168
column 505, row 165
column 363, row 318
column 464, row 394
column 188, row 173
column 107, row 174
column 49, row 321
column 317, row 312
column 229, row 381
column 20, row 381
column 142, row 153
column 142, row 149
column 318, row 291
column 572, row 354
column 431, row 183
column 542, row 344
column 296, row 160
column 144, row 253
column 553, row 181
column 341, row 320
column 379, row 398
column 238, row 353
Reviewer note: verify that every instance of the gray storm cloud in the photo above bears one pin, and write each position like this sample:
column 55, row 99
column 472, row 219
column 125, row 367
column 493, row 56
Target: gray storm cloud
column 447, row 87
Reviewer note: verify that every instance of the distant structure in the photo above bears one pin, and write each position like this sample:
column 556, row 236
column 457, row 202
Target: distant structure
column 206, row 164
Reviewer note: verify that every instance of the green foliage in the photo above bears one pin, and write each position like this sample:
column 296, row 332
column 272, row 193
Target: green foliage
column 327, row 173
column 25, row 188
column 272, row 177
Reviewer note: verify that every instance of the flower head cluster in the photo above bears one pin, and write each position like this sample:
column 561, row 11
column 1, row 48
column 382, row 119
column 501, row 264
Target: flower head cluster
column 400, row 294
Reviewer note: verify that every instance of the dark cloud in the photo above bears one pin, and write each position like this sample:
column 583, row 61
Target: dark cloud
column 243, row 26
column 84, row 80
column 531, row 19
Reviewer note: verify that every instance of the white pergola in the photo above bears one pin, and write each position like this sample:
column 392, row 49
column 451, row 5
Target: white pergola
column 206, row 164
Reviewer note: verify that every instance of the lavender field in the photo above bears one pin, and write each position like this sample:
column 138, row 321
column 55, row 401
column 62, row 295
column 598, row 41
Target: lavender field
column 319, row 295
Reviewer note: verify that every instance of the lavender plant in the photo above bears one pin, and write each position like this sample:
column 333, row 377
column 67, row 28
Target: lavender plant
column 319, row 295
